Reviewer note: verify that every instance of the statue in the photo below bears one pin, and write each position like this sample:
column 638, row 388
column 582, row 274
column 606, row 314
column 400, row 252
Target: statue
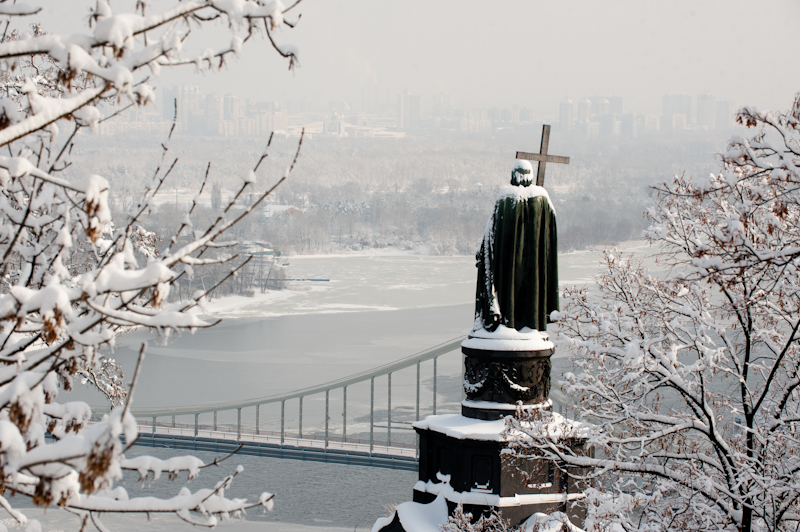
column 517, row 264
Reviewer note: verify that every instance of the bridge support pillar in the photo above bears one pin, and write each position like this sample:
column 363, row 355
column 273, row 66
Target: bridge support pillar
column 283, row 418
column 327, row 414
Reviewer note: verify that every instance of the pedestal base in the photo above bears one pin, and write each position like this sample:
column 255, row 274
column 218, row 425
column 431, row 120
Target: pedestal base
column 461, row 462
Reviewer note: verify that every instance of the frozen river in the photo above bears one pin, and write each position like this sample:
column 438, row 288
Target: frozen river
column 374, row 309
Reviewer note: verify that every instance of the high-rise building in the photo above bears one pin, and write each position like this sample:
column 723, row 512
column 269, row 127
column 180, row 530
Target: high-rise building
column 600, row 105
column 673, row 106
column 652, row 122
column 414, row 110
column 402, row 103
column 724, row 116
column 281, row 120
column 615, row 104
column 679, row 122
column 706, row 110
column 584, row 108
column 565, row 115
column 213, row 114
column 409, row 110
column 232, row 107
column 608, row 125
column 186, row 99
column 628, row 126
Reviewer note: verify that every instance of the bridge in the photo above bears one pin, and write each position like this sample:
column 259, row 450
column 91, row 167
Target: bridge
column 208, row 428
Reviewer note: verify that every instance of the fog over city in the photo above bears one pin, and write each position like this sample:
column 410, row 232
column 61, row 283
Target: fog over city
column 526, row 53
column 413, row 112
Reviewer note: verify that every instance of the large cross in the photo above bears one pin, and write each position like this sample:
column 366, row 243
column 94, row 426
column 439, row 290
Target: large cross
column 542, row 156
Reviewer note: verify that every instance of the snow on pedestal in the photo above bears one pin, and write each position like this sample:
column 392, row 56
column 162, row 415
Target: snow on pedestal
column 506, row 339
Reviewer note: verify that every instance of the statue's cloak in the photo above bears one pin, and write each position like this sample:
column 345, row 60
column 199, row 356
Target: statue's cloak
column 517, row 262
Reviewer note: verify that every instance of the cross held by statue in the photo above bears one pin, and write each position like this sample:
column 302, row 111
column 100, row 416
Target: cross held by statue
column 543, row 157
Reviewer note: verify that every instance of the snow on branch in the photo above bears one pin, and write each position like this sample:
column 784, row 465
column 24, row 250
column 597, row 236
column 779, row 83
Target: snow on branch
column 72, row 279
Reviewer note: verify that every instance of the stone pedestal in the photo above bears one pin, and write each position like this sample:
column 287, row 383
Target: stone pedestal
column 460, row 455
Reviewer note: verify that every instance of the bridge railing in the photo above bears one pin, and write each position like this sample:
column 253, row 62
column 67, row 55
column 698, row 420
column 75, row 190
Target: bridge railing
column 387, row 370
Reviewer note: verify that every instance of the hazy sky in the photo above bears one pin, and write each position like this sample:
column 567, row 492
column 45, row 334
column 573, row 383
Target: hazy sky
column 530, row 53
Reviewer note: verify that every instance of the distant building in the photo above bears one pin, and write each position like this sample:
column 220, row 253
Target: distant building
column 281, row 120
column 565, row 115
column 600, row 106
column 609, row 125
column 409, row 110
column 706, row 111
column 677, row 111
column 526, row 115
column 724, row 116
column 628, row 126
column 615, row 105
column 652, row 123
column 584, row 108
column 334, row 126
column 231, row 107
column 679, row 122
column 589, row 129
column 476, row 121
column 189, row 102
column 271, row 211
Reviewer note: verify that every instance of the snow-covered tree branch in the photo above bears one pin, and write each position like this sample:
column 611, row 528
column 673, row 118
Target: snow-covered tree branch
column 72, row 279
column 691, row 378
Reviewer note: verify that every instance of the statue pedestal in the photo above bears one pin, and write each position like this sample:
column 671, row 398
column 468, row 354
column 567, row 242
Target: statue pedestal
column 461, row 458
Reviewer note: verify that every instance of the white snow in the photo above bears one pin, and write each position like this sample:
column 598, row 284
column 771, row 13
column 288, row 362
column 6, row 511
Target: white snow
column 418, row 517
column 461, row 428
column 506, row 406
column 520, row 193
column 443, row 489
column 554, row 522
column 508, row 339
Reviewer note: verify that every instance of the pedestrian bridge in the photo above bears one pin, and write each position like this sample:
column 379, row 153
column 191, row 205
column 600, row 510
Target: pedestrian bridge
column 262, row 426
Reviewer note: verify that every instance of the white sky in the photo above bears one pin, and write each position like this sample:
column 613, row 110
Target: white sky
column 525, row 52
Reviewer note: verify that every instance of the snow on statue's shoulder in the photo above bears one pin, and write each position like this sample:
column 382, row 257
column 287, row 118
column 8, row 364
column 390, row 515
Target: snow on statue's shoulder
column 519, row 193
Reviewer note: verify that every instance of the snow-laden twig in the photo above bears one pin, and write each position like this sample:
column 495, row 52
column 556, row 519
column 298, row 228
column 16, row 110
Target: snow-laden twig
column 73, row 279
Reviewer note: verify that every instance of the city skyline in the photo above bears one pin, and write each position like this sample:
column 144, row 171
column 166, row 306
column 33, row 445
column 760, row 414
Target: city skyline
column 591, row 116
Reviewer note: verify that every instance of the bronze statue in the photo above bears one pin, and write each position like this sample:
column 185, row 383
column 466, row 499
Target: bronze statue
column 517, row 263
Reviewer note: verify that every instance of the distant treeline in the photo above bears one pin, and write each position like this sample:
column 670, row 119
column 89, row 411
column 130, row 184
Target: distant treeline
column 430, row 195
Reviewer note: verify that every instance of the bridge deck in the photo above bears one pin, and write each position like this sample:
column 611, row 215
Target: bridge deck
column 269, row 445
